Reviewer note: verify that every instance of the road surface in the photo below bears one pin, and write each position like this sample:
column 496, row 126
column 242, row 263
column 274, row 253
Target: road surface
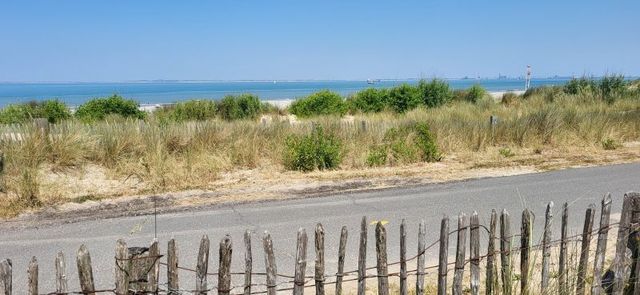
column 579, row 187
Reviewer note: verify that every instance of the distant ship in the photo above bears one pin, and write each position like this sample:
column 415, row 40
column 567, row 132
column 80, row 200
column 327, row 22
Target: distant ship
column 372, row 81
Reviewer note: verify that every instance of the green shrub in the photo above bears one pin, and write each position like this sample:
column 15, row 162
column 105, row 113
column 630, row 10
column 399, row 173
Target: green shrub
column 506, row 152
column 404, row 98
column 99, row 108
column 550, row 93
column 377, row 156
column 612, row 87
column 610, row 144
column 317, row 150
column 244, row 106
column 475, row 93
column 435, row 92
column 324, row 102
column 370, row 100
column 53, row 110
column 190, row 110
column 580, row 86
column 407, row 144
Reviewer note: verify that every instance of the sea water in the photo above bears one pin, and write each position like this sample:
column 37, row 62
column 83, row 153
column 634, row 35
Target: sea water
column 154, row 92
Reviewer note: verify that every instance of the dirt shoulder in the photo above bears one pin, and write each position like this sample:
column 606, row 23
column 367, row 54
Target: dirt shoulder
column 270, row 184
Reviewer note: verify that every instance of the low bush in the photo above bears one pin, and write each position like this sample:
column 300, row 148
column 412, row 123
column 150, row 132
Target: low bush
column 580, row 86
column 404, row 98
column 99, row 108
column 509, row 98
column 406, row 144
column 191, row 110
column 370, row 100
column 612, row 87
column 53, row 110
column 317, row 150
column 324, row 102
column 435, row 92
column 506, row 152
column 244, row 106
column 475, row 93
column 610, row 144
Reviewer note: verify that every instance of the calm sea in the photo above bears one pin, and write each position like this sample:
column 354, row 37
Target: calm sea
column 167, row 92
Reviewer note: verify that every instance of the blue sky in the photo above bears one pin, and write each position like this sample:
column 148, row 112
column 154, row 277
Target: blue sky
column 113, row 40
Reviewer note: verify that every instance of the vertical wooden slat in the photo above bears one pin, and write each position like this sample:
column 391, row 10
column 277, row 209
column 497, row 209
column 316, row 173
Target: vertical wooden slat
column 153, row 267
column 362, row 258
column 85, row 272
column 173, row 281
column 381, row 255
column 224, row 265
column 422, row 233
column 248, row 262
column 6, row 274
column 562, row 264
column 202, row 266
column 61, row 273
column 342, row 249
column 33, row 276
column 403, row 257
column 122, row 267
column 584, row 252
column 525, row 251
column 460, row 253
column 319, row 266
column 601, row 247
column 547, row 236
column 474, row 253
column 491, row 276
column 443, row 256
column 620, row 259
column 301, row 262
column 505, row 252
column 269, row 263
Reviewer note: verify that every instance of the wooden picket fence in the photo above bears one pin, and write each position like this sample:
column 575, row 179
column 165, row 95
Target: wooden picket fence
column 137, row 269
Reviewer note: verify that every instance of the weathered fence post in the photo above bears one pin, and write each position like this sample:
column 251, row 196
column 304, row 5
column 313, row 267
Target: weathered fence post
column 422, row 233
column 85, row 272
column 122, row 267
column 460, row 251
column 153, row 267
column 601, row 247
column 202, row 266
column 224, row 265
column 442, row 259
column 491, row 255
column 248, row 262
column 269, row 263
column 381, row 251
column 546, row 248
column 33, row 276
column 474, row 252
column 173, row 282
column 562, row 265
column 342, row 249
column 319, row 266
column 301, row 262
column 631, row 204
column 584, row 252
column 362, row 258
column 6, row 274
column 505, row 252
column 61, row 274
column 525, row 251
column 403, row 257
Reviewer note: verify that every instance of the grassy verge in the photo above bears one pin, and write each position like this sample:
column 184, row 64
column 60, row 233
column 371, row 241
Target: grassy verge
column 545, row 128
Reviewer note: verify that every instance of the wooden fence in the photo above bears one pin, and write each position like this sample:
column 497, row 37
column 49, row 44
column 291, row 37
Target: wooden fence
column 137, row 269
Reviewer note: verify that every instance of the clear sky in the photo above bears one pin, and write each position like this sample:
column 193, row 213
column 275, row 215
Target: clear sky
column 84, row 40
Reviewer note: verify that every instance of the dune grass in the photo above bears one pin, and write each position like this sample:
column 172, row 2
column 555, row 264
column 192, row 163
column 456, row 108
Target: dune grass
column 170, row 156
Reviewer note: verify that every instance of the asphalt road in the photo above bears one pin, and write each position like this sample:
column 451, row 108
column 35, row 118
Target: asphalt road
column 579, row 187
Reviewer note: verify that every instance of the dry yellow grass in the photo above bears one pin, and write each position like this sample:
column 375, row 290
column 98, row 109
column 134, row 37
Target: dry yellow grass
column 243, row 159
